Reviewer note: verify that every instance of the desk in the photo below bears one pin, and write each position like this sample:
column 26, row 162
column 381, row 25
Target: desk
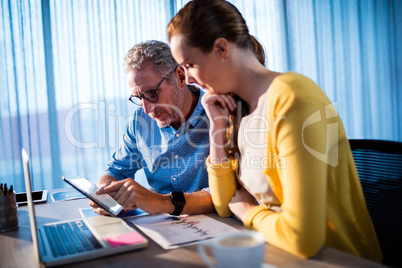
column 16, row 246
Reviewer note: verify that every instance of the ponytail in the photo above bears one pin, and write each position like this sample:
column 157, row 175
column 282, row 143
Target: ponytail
column 258, row 49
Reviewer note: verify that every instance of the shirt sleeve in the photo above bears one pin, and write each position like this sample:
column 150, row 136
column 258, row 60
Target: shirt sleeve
column 126, row 161
column 222, row 183
column 206, row 189
column 300, row 227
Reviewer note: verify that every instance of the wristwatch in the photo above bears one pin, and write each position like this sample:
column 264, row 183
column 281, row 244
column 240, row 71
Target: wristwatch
column 178, row 201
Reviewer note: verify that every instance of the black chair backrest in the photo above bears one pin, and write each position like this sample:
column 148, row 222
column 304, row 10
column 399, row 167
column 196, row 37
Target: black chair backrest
column 379, row 164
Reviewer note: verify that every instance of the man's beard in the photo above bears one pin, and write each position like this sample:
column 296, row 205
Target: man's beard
column 173, row 111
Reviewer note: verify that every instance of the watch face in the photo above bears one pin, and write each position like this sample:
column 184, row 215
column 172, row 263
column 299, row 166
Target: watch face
column 178, row 197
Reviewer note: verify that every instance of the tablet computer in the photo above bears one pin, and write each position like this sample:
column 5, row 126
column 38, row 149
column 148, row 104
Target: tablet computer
column 89, row 189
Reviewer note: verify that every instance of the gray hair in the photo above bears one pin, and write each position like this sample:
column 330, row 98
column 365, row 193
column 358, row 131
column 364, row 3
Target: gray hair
column 153, row 51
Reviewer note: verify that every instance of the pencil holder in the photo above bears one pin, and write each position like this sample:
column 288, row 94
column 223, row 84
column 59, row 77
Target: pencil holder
column 8, row 213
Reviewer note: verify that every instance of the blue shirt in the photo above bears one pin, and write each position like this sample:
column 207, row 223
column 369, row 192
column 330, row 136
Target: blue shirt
column 173, row 160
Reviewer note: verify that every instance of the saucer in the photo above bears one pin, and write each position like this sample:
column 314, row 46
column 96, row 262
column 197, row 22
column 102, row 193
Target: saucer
column 267, row 265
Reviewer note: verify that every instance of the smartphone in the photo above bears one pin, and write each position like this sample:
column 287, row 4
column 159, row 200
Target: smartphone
column 37, row 197
column 89, row 189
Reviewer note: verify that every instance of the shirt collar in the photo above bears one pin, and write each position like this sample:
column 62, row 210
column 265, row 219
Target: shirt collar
column 199, row 110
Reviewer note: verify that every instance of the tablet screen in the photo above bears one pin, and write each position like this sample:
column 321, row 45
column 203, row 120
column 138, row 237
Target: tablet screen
column 89, row 189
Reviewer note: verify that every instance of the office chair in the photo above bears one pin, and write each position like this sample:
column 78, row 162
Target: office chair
column 379, row 164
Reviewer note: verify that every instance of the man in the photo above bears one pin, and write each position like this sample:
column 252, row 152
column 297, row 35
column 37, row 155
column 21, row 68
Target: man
column 168, row 138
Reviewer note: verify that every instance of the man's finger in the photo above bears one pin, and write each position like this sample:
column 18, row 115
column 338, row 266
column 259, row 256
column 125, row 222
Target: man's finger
column 101, row 211
column 92, row 204
column 109, row 188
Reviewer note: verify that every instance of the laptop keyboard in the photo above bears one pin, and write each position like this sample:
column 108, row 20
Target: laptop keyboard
column 70, row 238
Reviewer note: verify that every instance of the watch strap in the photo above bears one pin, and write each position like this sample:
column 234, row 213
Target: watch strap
column 178, row 204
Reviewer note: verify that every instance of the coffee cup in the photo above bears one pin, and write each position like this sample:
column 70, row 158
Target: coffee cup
column 239, row 249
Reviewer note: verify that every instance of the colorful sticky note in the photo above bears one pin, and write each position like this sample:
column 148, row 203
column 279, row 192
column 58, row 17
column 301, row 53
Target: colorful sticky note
column 125, row 239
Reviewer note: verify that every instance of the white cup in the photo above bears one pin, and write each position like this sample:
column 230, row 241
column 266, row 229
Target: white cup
column 240, row 249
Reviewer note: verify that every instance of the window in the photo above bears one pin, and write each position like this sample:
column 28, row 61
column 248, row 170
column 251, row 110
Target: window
column 64, row 92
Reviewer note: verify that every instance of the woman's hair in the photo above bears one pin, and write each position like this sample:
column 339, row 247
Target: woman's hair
column 232, row 130
column 150, row 51
column 204, row 21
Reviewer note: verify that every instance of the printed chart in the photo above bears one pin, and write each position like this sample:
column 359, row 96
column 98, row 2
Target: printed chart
column 172, row 232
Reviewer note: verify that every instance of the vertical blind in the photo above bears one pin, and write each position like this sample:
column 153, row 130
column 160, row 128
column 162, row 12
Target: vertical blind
column 63, row 91
column 350, row 48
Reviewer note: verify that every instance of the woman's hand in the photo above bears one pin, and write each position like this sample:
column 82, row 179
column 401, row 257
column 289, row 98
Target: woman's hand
column 242, row 202
column 218, row 108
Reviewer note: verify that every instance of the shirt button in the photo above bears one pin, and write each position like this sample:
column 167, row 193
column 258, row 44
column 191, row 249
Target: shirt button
column 176, row 156
column 174, row 179
column 177, row 135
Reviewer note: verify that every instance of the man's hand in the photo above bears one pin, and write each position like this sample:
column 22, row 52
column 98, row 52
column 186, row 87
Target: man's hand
column 102, row 182
column 242, row 202
column 131, row 195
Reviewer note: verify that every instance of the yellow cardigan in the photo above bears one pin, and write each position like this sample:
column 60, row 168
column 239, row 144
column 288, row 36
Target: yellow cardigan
column 312, row 173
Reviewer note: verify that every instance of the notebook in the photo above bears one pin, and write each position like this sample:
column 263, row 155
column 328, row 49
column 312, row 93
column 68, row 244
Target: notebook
column 78, row 240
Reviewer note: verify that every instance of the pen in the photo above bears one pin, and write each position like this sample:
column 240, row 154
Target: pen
column 4, row 189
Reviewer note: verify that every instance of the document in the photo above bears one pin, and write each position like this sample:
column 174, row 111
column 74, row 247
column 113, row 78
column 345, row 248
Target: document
column 66, row 195
column 175, row 231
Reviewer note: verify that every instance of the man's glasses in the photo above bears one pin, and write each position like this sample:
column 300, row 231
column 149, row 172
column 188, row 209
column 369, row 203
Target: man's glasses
column 150, row 95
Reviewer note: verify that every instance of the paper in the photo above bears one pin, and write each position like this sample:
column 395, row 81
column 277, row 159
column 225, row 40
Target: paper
column 125, row 239
column 87, row 212
column 173, row 232
column 67, row 195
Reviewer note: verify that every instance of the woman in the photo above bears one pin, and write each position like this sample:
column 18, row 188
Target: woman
column 299, row 184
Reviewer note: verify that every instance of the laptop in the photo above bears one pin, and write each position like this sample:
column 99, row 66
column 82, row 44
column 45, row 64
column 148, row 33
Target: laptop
column 78, row 240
